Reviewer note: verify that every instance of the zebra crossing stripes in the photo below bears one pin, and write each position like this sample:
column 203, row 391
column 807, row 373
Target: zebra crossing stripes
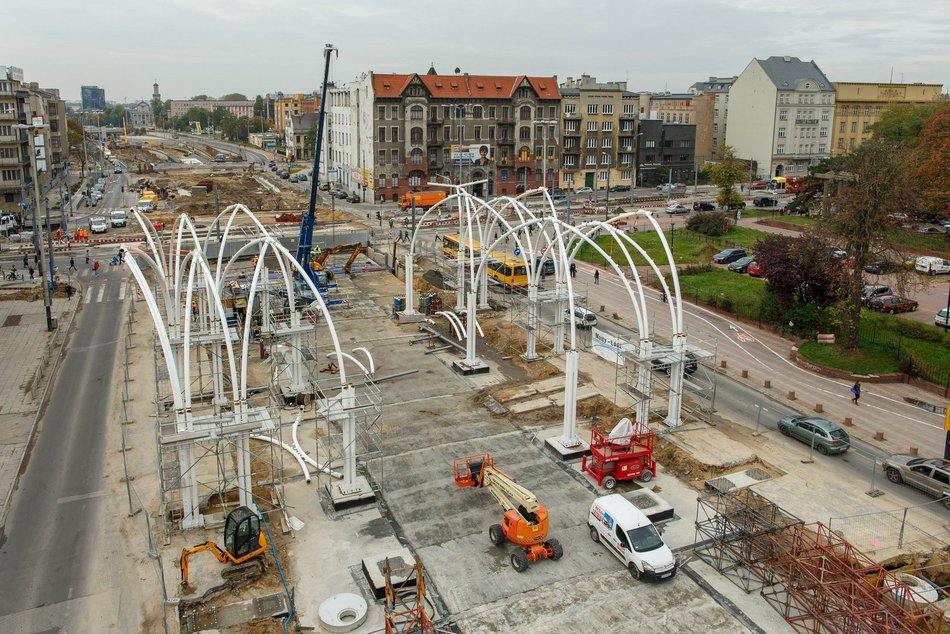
column 105, row 291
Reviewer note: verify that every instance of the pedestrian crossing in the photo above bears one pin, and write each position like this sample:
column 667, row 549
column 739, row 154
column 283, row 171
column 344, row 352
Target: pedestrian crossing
column 104, row 291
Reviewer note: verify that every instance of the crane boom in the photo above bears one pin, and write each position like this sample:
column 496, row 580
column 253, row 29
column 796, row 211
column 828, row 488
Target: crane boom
column 511, row 495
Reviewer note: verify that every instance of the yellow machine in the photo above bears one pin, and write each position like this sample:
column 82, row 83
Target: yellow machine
column 244, row 543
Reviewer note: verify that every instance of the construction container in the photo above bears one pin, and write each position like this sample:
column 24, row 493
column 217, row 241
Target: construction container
column 399, row 304
column 435, row 305
column 425, row 303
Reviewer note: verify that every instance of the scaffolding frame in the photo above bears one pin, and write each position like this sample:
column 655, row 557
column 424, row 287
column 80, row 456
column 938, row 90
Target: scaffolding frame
column 808, row 573
column 405, row 601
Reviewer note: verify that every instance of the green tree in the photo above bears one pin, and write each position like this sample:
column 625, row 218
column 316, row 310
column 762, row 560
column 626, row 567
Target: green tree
column 259, row 106
column 74, row 134
column 902, row 123
column 200, row 98
column 310, row 139
column 259, row 124
column 724, row 174
column 868, row 184
column 234, row 96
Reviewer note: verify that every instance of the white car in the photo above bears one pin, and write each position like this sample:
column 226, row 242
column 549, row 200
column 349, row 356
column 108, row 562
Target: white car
column 942, row 318
column 676, row 208
column 97, row 224
column 584, row 190
column 932, row 265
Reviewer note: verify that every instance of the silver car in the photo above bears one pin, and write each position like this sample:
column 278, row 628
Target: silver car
column 931, row 475
column 827, row 437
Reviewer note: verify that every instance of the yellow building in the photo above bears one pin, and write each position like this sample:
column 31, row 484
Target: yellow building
column 293, row 106
column 858, row 106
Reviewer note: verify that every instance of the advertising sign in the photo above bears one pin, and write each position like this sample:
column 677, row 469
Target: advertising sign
column 478, row 154
column 608, row 346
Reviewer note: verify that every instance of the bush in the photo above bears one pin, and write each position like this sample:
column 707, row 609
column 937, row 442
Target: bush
column 709, row 223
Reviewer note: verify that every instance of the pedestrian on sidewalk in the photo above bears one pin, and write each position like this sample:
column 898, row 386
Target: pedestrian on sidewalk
column 663, row 295
column 72, row 264
column 856, row 392
column 30, row 268
column 573, row 270
column 69, row 292
column 597, row 277
column 87, row 256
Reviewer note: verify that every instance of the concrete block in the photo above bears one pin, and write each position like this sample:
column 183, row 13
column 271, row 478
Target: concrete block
column 791, row 395
column 879, row 435
column 767, row 383
column 847, row 422
column 652, row 505
column 912, row 451
column 400, row 561
column 565, row 452
column 819, row 407
column 744, row 374
column 467, row 370
column 723, row 364
column 361, row 496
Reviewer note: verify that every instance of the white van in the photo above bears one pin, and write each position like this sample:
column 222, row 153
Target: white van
column 932, row 265
column 117, row 217
column 97, row 224
column 583, row 318
column 626, row 532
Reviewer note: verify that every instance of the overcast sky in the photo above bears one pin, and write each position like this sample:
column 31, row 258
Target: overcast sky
column 219, row 46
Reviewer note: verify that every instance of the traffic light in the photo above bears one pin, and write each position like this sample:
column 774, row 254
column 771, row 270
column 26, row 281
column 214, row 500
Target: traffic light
column 378, row 217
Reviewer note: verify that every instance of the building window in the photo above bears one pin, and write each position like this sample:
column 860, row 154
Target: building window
column 570, row 160
column 607, row 126
column 395, row 180
column 592, row 108
column 604, row 158
column 394, row 134
column 477, row 112
column 824, row 115
column 841, row 127
column 590, row 160
column 524, row 133
column 524, row 113
column 461, row 132
column 650, row 144
column 864, row 126
column 537, row 153
column 416, row 113
column 478, row 133
column 381, row 112
column 491, row 133
column 628, row 109
column 570, row 108
column 781, row 133
column 867, row 111
column 504, row 112
column 608, row 108
column 821, row 148
column 394, row 157
column 603, row 175
column 394, row 113
column 840, row 144
column 381, row 137
column 854, row 126
column 780, row 149
column 415, row 135
column 592, row 126
column 434, row 113
column 625, row 175
column 686, row 118
column 570, row 126
column 11, row 175
column 783, row 115
column 524, row 154
column 591, row 142
column 382, row 157
column 491, row 112
column 823, row 133
column 606, row 142
column 851, row 143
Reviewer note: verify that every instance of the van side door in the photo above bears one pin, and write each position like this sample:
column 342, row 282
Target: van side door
column 618, row 543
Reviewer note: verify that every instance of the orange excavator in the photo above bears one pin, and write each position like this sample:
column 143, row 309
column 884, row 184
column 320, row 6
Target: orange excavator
column 525, row 521
column 244, row 543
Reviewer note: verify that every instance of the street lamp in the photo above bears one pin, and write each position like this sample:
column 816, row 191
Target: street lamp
column 544, row 151
column 31, row 131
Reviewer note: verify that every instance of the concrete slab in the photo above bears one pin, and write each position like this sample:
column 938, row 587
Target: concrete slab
column 374, row 569
column 361, row 496
column 712, row 447
column 652, row 505
column 467, row 369
column 564, row 452
column 530, row 405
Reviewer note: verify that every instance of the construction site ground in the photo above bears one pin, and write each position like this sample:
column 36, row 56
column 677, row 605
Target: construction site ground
column 434, row 416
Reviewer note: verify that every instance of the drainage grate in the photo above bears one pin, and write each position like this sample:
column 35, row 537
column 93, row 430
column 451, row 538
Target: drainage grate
column 12, row 320
column 270, row 605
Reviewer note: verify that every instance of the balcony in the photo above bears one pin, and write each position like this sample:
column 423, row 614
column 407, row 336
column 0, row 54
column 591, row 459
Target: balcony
column 572, row 115
column 519, row 163
column 9, row 162
column 806, row 121
column 8, row 115
column 414, row 166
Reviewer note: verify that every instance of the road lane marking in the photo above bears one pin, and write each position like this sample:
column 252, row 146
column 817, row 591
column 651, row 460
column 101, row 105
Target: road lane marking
column 122, row 291
column 82, row 496
column 88, row 296
column 102, row 291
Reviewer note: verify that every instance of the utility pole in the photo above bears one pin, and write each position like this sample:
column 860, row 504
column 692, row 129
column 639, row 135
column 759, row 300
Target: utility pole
column 544, row 151
column 31, row 131
column 636, row 164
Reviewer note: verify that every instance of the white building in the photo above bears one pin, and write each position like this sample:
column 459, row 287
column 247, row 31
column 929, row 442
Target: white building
column 348, row 137
column 780, row 115
column 140, row 115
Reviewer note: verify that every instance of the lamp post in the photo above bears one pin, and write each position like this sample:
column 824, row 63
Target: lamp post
column 544, row 151
column 636, row 167
column 31, row 131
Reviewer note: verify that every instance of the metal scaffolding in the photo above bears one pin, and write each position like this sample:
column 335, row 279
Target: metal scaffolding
column 809, row 574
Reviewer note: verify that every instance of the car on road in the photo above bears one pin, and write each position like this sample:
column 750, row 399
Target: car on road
column 557, row 192
column 879, row 267
column 929, row 230
column 892, row 304
column 741, row 265
column 324, row 187
column 273, row 168
column 873, row 290
column 931, row 475
column 339, row 193
column 827, row 437
column 583, row 318
column 98, row 224
column 294, row 178
column 734, row 206
column 942, row 318
column 117, row 170
column 729, row 255
column 353, row 198
column 676, row 208
column 620, row 188
column 764, row 201
column 301, row 177
column 702, row 205
column 665, row 363
column 584, row 190
column 284, row 175
column 931, row 265
column 754, row 269
column 759, row 185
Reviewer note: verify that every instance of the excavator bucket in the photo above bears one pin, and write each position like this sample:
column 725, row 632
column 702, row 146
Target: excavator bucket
column 468, row 471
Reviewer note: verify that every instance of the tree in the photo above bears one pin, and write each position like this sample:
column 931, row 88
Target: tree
column 74, row 134
column 724, row 174
column 902, row 123
column 259, row 106
column 233, row 96
column 310, row 139
column 258, row 124
column 200, row 98
column 869, row 184
column 931, row 171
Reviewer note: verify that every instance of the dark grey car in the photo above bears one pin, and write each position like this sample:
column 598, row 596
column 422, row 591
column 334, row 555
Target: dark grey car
column 827, row 437
column 729, row 255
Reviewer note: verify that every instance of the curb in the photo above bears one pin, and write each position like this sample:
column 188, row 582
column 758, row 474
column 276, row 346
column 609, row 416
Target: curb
column 41, row 407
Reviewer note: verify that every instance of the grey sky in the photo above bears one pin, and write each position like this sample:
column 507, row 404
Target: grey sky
column 252, row 47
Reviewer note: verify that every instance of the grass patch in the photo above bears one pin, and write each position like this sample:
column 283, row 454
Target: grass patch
column 687, row 247
column 801, row 221
column 870, row 359
column 914, row 240
column 732, row 292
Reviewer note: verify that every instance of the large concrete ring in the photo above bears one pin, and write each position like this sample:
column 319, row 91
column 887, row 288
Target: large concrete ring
column 342, row 612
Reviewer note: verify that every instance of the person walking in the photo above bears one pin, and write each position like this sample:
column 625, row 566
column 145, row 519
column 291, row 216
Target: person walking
column 573, row 270
column 856, row 392
column 69, row 292
column 26, row 261
column 72, row 264
column 87, row 256
column 30, row 269
column 597, row 277
column 95, row 268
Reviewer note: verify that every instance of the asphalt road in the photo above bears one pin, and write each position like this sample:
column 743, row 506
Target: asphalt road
column 57, row 514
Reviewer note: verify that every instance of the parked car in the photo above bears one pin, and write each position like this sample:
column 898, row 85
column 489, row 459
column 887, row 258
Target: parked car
column 764, row 201
column 339, row 193
column 701, row 205
column 892, row 304
column 353, row 198
column 98, row 224
column 729, row 255
column 324, row 187
column 273, row 168
column 879, row 267
column 873, row 290
column 285, row 175
column 620, row 188
column 584, row 190
column 929, row 230
column 676, row 208
column 942, row 318
column 734, row 206
column 754, row 269
column 931, row 265
column 759, row 185
column 557, row 192
column 827, row 437
column 294, row 178
column 742, row 264
column 301, row 177
column 931, row 475
column 583, row 318
column 665, row 363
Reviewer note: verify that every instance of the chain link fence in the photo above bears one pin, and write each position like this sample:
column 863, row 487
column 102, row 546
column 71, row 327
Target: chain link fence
column 886, row 533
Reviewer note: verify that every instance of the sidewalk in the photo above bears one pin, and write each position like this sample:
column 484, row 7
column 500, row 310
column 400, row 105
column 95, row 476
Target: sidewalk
column 33, row 355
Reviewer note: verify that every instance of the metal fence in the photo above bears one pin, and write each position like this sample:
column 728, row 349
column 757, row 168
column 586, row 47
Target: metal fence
column 912, row 528
column 891, row 342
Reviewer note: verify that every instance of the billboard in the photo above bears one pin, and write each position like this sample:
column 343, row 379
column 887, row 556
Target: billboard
column 609, row 347
column 478, row 154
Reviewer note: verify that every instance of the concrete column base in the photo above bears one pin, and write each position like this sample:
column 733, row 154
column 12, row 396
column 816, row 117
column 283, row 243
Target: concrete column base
column 568, row 448
column 358, row 494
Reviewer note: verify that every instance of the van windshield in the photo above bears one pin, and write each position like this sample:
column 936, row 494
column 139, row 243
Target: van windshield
column 645, row 539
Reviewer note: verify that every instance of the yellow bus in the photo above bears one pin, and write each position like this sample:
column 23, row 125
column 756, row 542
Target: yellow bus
column 509, row 272
column 450, row 247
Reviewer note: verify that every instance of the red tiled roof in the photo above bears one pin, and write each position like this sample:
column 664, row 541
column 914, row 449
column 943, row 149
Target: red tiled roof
column 449, row 86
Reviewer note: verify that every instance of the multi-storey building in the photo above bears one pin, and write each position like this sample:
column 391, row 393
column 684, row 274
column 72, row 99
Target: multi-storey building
column 780, row 116
column 719, row 88
column 295, row 135
column 140, row 115
column 598, row 125
column 19, row 103
column 859, row 105
column 178, row 107
column 697, row 110
column 403, row 130
column 294, row 106
column 93, row 99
